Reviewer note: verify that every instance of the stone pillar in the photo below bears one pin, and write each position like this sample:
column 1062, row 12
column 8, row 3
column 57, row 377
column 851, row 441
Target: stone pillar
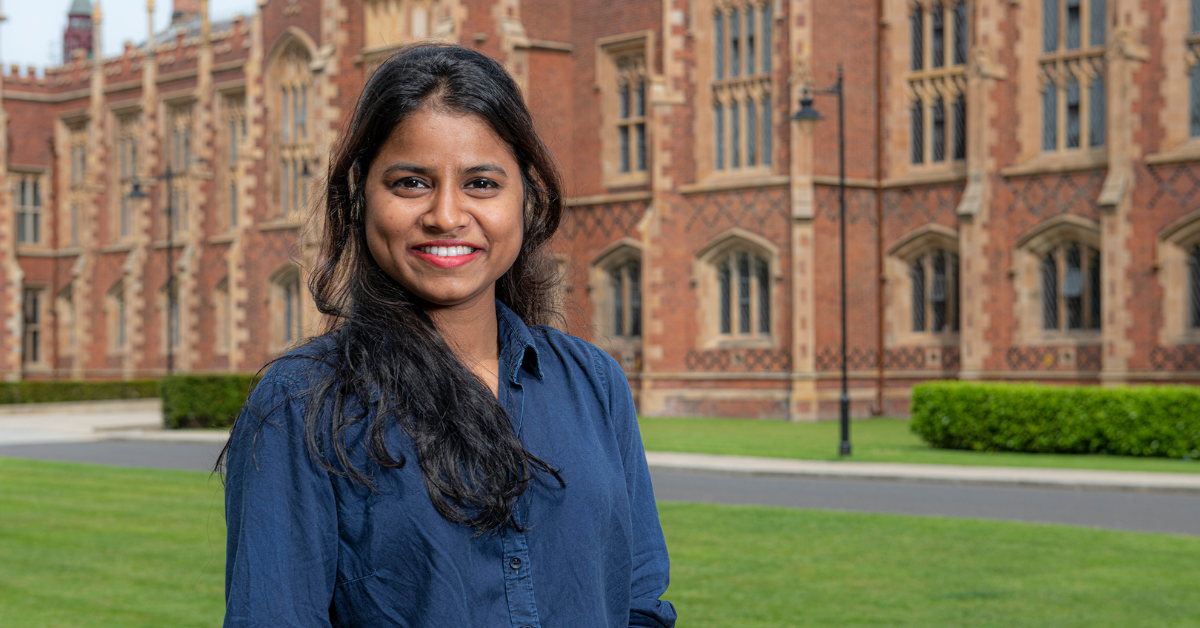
column 803, row 404
column 1116, row 198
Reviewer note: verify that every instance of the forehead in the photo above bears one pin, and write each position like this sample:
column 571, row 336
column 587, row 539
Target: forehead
column 433, row 134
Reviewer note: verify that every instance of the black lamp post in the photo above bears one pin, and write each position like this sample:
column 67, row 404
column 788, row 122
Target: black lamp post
column 809, row 114
column 172, row 298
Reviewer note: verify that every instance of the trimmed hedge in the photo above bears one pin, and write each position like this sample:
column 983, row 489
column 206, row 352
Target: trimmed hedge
column 203, row 400
column 1159, row 421
column 54, row 392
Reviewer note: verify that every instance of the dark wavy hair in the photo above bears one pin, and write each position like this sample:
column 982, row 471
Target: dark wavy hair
column 385, row 351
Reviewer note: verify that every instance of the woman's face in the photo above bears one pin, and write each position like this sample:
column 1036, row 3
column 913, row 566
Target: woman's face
column 444, row 208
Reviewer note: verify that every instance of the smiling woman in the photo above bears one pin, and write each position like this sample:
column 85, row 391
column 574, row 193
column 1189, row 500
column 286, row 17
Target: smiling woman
column 529, row 500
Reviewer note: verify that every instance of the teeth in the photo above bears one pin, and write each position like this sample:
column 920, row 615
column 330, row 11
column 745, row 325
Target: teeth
column 447, row 251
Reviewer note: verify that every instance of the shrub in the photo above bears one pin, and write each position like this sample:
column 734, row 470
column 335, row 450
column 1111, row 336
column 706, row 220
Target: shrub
column 203, row 400
column 50, row 392
column 1161, row 421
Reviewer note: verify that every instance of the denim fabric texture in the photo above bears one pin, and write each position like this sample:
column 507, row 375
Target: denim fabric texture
column 311, row 548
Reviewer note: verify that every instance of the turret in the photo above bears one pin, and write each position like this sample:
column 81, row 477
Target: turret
column 78, row 35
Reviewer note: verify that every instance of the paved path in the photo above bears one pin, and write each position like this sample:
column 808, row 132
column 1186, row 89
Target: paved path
column 1148, row 511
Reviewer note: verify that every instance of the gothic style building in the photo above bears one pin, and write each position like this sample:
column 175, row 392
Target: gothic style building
column 1023, row 202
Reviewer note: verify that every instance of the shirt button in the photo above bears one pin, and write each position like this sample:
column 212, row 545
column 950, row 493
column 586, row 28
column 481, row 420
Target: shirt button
column 515, row 563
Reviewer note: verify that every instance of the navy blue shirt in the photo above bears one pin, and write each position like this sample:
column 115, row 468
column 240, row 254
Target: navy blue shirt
column 311, row 548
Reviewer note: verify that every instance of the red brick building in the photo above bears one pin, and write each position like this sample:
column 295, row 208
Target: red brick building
column 1023, row 202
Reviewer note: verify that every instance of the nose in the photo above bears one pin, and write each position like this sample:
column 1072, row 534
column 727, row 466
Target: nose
column 447, row 213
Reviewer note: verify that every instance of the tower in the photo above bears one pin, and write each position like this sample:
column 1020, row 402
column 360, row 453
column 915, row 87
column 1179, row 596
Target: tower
column 78, row 35
column 185, row 10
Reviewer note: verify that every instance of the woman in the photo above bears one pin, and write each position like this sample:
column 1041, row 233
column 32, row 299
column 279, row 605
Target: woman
column 437, row 458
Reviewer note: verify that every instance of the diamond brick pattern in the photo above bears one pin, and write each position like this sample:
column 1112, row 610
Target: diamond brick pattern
column 748, row 360
column 1175, row 358
column 748, row 209
column 609, row 222
column 916, row 206
column 1177, row 184
column 1046, row 196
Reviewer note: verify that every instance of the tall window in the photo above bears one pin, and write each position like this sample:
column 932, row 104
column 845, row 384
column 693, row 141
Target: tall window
column 744, row 293
column 285, row 308
column 172, row 315
column 77, row 136
column 128, row 128
column 234, row 133
column 742, row 89
column 631, row 115
column 32, row 352
column 935, row 302
column 1072, row 64
column 27, row 198
column 626, row 281
column 937, row 82
column 1071, row 288
column 295, row 135
column 178, row 209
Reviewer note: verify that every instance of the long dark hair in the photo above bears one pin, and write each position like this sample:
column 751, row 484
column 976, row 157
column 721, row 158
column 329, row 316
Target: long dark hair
column 386, row 353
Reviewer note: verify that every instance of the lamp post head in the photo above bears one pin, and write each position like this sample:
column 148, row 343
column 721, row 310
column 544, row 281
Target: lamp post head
column 136, row 192
column 807, row 112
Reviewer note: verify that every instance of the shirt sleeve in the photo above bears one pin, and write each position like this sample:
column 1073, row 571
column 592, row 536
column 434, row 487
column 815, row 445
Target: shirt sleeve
column 280, row 512
column 651, row 566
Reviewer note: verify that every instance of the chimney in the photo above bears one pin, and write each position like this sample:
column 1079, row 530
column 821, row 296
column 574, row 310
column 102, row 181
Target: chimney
column 185, row 10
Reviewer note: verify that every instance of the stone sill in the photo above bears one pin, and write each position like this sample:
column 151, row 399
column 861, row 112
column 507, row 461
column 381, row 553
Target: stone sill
column 277, row 224
column 119, row 247
column 1186, row 151
column 1049, row 163
column 604, row 199
column 724, row 183
column 929, row 175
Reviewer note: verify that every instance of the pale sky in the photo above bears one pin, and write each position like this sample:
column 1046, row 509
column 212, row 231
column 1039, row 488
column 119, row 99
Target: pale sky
column 33, row 33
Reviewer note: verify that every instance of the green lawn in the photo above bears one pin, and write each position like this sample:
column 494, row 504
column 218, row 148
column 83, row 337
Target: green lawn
column 91, row 546
column 873, row 440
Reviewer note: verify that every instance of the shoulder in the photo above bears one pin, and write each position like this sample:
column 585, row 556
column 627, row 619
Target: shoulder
column 289, row 376
column 562, row 351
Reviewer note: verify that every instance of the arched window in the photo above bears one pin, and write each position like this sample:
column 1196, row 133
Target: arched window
column 616, row 292
column 1071, row 287
column 744, row 293
column 1194, row 287
column 627, row 299
column 222, row 310
column 935, row 303
column 286, row 308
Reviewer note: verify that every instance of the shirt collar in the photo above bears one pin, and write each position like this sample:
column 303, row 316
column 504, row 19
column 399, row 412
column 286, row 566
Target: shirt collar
column 517, row 348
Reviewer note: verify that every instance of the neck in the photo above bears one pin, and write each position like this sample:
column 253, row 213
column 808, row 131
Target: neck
column 473, row 335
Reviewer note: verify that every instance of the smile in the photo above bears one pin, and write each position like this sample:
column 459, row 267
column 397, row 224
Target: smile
column 446, row 256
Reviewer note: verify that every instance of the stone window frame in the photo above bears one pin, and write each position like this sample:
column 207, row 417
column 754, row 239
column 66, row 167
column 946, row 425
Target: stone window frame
column 1073, row 74
column 613, row 258
column 77, row 184
column 232, row 148
column 64, row 312
column 33, row 327
column 389, row 24
column 933, row 88
column 127, row 131
column 706, row 272
column 918, row 244
column 759, row 88
column 293, row 134
column 1028, row 257
column 222, row 304
column 285, row 308
column 29, row 191
column 1180, row 90
column 1173, row 247
column 116, row 317
column 623, row 60
column 180, row 155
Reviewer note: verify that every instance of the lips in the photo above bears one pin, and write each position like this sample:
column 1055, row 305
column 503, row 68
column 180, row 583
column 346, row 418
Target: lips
column 446, row 253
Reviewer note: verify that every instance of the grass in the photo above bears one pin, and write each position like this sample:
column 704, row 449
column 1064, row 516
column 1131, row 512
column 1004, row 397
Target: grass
column 98, row 547
column 756, row 567
column 874, row 440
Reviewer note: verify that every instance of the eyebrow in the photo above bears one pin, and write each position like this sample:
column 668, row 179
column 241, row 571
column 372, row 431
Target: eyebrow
column 422, row 170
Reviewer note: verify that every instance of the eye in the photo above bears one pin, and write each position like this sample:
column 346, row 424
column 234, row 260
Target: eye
column 410, row 183
column 482, row 184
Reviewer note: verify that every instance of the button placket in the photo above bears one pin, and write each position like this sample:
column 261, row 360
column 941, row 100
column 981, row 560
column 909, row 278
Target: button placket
column 518, row 581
